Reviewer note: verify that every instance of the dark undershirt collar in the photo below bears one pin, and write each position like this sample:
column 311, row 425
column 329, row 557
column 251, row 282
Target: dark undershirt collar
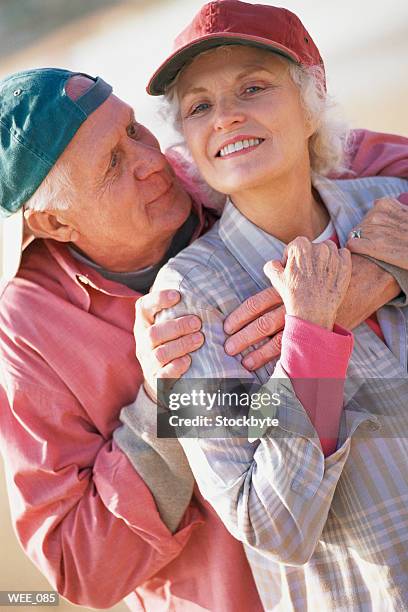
column 141, row 280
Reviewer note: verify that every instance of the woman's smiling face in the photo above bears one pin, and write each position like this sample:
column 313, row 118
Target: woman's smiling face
column 242, row 118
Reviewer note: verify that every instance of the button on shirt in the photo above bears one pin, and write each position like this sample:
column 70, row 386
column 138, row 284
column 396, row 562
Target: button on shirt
column 320, row 533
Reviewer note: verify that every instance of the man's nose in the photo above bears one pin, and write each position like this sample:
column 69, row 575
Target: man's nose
column 228, row 113
column 147, row 160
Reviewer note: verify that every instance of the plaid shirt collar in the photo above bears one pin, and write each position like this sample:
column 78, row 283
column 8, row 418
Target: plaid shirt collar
column 252, row 246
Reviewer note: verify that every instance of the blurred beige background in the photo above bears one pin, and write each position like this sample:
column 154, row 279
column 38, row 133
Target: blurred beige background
column 364, row 44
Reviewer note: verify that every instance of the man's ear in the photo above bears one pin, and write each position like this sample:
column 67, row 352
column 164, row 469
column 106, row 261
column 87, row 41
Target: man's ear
column 49, row 224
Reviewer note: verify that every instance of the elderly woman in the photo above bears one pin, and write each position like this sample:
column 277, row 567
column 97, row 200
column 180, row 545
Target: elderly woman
column 320, row 500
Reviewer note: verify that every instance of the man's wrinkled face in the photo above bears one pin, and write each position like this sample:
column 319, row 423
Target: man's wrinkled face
column 128, row 204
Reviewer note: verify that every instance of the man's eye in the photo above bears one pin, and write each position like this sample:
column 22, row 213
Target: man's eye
column 114, row 160
column 252, row 89
column 132, row 130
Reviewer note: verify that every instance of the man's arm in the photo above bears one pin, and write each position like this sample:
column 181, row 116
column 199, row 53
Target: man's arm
column 361, row 301
column 160, row 462
column 379, row 234
column 377, row 154
column 81, row 511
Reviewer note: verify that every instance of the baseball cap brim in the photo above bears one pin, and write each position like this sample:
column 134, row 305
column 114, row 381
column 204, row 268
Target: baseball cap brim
column 169, row 69
column 14, row 242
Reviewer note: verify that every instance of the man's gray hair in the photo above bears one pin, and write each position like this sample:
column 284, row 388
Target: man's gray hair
column 327, row 146
column 54, row 193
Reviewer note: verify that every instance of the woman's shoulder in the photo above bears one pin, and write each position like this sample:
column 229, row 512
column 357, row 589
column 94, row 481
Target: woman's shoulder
column 201, row 266
column 380, row 186
column 355, row 197
column 205, row 253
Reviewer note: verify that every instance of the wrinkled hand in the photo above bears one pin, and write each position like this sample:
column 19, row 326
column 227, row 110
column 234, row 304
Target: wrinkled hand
column 312, row 279
column 260, row 316
column 163, row 349
column 384, row 232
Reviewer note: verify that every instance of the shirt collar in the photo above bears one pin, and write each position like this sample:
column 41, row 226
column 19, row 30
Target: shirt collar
column 253, row 247
column 142, row 279
column 340, row 204
column 83, row 275
column 250, row 245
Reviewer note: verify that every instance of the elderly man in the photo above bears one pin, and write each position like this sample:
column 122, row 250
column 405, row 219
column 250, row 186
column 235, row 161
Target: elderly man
column 105, row 510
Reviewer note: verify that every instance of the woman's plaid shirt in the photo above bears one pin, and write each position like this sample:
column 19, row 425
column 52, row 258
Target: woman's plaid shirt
column 319, row 533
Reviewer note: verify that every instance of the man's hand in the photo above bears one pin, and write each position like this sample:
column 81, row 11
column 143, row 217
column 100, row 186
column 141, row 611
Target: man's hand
column 260, row 317
column 163, row 349
column 384, row 232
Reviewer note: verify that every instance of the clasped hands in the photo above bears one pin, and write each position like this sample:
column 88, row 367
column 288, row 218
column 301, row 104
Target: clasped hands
column 163, row 348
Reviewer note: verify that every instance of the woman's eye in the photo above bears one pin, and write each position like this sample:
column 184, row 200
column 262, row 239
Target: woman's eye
column 199, row 108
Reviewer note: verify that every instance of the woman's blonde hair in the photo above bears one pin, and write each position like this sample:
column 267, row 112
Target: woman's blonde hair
column 328, row 146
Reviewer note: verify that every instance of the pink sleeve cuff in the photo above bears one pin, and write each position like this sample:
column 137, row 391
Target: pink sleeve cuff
column 316, row 361
column 311, row 351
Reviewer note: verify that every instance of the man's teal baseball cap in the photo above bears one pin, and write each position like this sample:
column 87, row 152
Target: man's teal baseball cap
column 37, row 122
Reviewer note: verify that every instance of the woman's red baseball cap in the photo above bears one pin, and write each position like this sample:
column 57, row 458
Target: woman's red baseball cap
column 231, row 22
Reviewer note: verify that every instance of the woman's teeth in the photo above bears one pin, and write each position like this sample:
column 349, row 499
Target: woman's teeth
column 239, row 145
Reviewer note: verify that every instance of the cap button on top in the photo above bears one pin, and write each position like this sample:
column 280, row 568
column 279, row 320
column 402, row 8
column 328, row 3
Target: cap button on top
column 17, row 92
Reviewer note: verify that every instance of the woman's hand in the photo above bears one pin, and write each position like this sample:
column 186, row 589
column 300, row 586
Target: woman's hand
column 163, row 348
column 312, row 280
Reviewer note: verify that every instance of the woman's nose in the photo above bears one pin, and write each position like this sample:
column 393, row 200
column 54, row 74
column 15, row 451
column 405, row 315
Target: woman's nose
column 228, row 113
